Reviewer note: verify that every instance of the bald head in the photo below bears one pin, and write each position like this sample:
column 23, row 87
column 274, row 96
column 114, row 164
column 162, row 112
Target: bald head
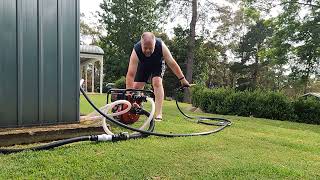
column 148, row 41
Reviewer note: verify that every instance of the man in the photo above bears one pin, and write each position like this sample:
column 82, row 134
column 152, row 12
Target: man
column 146, row 61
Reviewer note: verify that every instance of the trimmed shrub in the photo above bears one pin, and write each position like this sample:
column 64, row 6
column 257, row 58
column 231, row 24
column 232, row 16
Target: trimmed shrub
column 204, row 101
column 273, row 105
column 219, row 104
column 241, row 103
column 179, row 96
column 120, row 83
column 196, row 95
column 259, row 103
column 211, row 100
column 307, row 110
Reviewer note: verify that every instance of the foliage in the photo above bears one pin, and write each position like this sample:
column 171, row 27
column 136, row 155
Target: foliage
column 120, row 83
column 208, row 70
column 298, row 37
column 124, row 22
column 178, row 49
column 91, row 30
column 251, row 52
column 250, row 48
column 308, row 110
column 259, row 103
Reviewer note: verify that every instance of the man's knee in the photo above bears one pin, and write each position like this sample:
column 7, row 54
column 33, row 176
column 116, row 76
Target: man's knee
column 157, row 82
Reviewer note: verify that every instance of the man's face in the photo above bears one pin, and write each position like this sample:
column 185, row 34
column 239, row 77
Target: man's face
column 147, row 48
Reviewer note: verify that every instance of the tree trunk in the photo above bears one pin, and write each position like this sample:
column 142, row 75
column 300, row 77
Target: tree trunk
column 306, row 83
column 191, row 46
column 255, row 73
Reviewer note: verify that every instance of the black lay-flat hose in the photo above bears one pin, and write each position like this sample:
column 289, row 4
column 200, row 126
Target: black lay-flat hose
column 220, row 122
column 47, row 146
column 202, row 120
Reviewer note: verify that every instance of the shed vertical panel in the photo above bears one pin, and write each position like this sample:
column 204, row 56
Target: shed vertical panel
column 8, row 64
column 70, row 61
column 50, row 61
column 30, row 85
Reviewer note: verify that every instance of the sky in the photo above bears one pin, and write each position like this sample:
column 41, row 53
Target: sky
column 87, row 6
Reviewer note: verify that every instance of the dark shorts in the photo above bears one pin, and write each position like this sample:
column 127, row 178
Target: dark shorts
column 145, row 72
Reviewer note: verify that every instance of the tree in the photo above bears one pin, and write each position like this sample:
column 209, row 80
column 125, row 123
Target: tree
column 191, row 46
column 227, row 36
column 297, row 38
column 124, row 22
column 196, row 14
column 178, row 48
column 250, row 49
column 92, row 31
column 308, row 52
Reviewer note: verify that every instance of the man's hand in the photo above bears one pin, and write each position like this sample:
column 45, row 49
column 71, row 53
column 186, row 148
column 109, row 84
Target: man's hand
column 184, row 83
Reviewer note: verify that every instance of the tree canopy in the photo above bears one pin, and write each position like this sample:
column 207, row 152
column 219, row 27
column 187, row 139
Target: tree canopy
column 243, row 44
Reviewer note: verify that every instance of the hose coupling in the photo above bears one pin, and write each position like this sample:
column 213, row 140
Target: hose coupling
column 121, row 136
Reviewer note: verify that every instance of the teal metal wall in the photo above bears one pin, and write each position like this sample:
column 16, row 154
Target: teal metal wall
column 39, row 62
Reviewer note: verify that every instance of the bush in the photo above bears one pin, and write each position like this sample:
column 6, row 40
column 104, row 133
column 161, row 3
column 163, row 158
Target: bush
column 240, row 103
column 120, row 83
column 273, row 105
column 179, row 96
column 307, row 110
column 218, row 102
column 262, row 104
column 196, row 92
column 211, row 100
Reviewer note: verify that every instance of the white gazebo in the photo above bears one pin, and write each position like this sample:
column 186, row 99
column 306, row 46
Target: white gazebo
column 89, row 56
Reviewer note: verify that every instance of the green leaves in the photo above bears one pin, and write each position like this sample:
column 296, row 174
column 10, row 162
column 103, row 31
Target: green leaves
column 124, row 22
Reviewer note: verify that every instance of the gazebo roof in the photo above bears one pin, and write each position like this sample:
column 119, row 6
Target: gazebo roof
column 90, row 49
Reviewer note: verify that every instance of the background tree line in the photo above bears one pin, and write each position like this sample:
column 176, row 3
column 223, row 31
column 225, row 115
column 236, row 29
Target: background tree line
column 242, row 44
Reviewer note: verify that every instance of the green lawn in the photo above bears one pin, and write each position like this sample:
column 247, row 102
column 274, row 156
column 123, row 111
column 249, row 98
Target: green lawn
column 249, row 149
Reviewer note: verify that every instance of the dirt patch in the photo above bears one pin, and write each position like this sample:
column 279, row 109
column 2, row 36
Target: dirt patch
column 28, row 135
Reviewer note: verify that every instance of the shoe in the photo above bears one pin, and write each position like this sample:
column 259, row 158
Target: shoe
column 158, row 119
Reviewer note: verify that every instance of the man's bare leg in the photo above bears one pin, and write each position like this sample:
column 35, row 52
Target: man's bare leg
column 138, row 85
column 159, row 95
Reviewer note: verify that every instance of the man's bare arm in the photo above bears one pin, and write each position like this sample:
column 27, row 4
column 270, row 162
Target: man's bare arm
column 132, row 69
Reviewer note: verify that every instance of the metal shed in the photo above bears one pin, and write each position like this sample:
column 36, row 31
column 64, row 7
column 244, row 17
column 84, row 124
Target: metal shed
column 39, row 62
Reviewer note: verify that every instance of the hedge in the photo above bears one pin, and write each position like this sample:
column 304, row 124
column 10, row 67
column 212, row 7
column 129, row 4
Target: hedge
column 307, row 110
column 259, row 103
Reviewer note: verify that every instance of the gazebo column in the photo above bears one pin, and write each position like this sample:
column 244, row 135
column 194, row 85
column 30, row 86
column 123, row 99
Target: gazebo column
column 101, row 75
column 92, row 76
column 86, row 76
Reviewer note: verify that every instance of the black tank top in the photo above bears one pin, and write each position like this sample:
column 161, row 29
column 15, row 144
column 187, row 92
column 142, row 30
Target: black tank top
column 156, row 57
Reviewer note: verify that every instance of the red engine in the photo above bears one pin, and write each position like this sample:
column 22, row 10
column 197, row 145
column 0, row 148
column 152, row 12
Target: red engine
column 130, row 117
column 135, row 97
